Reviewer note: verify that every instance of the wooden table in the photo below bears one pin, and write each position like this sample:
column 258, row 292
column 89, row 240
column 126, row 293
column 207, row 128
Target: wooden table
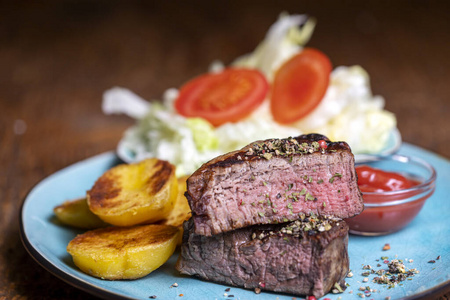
column 57, row 58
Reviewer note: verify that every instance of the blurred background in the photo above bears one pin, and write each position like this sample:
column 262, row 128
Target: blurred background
column 58, row 57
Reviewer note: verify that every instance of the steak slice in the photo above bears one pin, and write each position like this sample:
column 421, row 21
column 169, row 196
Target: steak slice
column 284, row 258
column 273, row 181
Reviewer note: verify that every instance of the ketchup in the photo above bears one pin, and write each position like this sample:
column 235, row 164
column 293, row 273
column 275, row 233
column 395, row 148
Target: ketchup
column 377, row 220
column 376, row 180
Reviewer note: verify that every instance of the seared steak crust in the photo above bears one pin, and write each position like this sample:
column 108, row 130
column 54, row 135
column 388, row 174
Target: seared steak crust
column 273, row 181
column 269, row 257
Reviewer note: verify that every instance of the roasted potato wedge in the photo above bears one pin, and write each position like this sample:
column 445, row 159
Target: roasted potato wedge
column 127, row 195
column 181, row 211
column 115, row 253
column 76, row 213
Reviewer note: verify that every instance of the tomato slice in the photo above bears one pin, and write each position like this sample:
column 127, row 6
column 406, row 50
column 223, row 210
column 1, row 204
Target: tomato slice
column 300, row 85
column 222, row 97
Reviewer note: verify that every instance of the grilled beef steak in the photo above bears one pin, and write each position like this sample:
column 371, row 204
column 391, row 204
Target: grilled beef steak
column 302, row 257
column 272, row 181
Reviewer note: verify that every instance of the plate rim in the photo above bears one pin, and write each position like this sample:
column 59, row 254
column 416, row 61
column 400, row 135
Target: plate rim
column 96, row 290
column 48, row 265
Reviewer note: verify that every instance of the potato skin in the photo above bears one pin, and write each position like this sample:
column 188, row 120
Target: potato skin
column 131, row 194
column 116, row 253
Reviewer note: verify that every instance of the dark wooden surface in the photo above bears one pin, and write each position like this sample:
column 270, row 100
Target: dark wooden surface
column 57, row 58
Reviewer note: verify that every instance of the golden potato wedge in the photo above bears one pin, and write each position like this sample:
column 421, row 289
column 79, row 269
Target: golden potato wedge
column 76, row 213
column 127, row 195
column 181, row 211
column 115, row 253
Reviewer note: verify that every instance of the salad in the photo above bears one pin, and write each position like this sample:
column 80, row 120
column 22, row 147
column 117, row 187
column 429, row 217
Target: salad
column 281, row 89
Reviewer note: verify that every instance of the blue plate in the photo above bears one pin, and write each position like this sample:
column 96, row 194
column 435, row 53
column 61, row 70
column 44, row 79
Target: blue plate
column 426, row 238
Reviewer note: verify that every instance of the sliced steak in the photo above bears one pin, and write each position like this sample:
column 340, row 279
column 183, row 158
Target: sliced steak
column 272, row 181
column 286, row 258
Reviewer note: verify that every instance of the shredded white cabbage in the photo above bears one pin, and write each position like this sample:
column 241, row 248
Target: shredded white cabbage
column 347, row 112
column 284, row 39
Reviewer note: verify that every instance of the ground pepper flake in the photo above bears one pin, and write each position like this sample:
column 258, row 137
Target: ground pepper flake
column 396, row 266
column 337, row 288
column 307, row 223
column 395, row 274
column 336, row 175
column 282, row 147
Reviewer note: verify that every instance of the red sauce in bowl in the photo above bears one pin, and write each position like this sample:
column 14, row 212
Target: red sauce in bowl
column 380, row 189
column 376, row 180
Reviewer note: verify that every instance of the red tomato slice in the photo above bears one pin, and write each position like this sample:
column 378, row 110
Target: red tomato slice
column 222, row 97
column 300, row 85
